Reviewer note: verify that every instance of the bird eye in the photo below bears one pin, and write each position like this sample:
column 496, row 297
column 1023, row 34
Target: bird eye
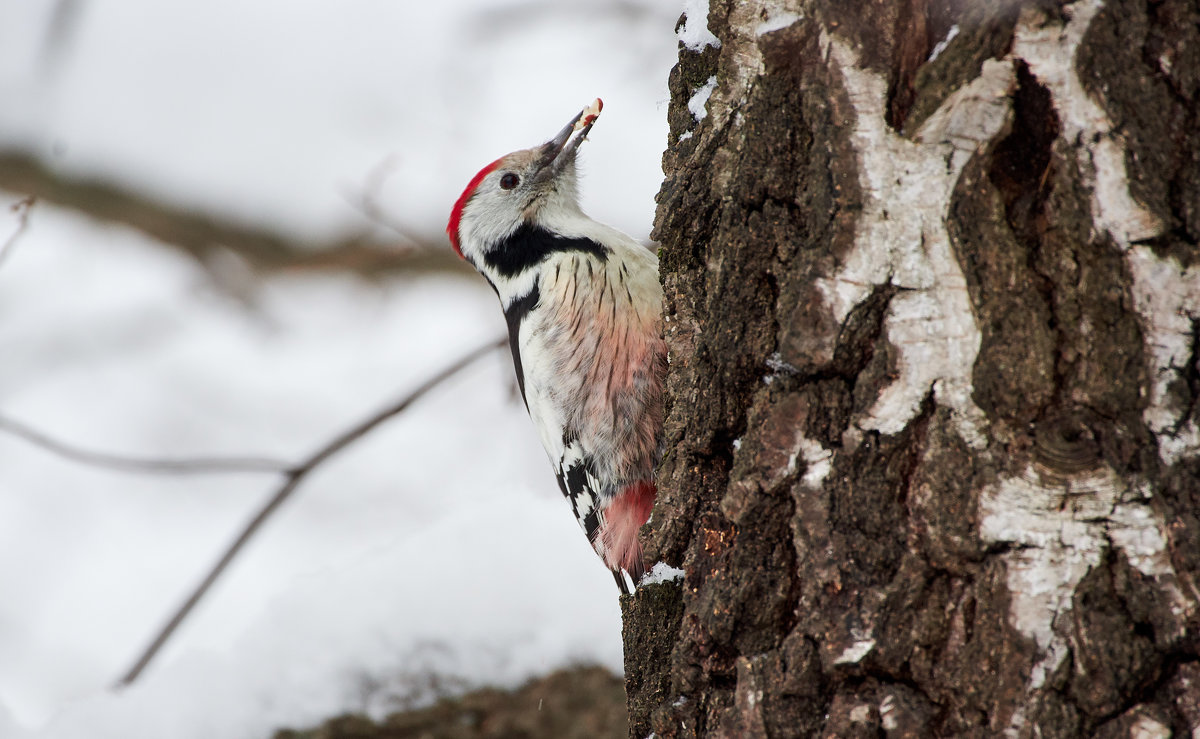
column 509, row 181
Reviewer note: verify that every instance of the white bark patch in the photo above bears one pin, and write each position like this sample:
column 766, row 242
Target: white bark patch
column 1148, row 728
column 1064, row 526
column 741, row 59
column 1166, row 295
column 1049, row 50
column 887, row 713
column 854, row 653
column 1168, row 298
column 902, row 239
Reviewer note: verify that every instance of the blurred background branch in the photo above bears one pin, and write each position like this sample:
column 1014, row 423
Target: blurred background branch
column 203, row 235
column 188, row 466
column 366, row 200
column 21, row 208
column 57, row 38
column 294, row 477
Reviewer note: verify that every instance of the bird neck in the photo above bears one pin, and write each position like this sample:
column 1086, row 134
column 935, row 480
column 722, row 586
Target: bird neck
column 514, row 265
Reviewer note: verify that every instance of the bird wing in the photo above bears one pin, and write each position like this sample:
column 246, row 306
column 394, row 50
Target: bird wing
column 576, row 479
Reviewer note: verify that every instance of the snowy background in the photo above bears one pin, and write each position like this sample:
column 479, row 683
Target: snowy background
column 439, row 545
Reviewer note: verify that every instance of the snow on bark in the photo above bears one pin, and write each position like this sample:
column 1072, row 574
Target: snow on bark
column 780, row 19
column 941, row 45
column 747, row 21
column 698, row 101
column 818, row 461
column 662, row 572
column 693, row 33
column 854, row 653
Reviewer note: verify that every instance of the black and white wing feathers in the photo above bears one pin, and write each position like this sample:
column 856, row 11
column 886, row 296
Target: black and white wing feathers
column 576, row 479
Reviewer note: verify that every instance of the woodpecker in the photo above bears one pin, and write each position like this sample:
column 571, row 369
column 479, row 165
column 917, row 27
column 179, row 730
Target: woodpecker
column 584, row 309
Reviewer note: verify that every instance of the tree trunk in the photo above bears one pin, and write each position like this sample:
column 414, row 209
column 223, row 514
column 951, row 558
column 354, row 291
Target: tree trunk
column 933, row 440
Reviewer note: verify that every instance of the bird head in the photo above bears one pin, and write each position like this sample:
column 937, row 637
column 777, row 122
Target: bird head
column 526, row 187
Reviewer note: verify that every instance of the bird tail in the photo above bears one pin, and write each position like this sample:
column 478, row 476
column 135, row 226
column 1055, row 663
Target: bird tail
column 623, row 516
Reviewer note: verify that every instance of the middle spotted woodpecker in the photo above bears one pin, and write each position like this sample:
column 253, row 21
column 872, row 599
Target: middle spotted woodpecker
column 584, row 309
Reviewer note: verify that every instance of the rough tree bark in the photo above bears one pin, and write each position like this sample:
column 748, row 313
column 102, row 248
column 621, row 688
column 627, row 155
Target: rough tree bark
column 933, row 312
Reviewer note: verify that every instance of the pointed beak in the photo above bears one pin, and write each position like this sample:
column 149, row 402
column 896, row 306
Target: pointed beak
column 560, row 150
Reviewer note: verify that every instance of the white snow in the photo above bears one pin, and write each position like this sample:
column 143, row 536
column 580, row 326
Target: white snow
column 779, row 366
column 699, row 99
column 941, row 45
column 818, row 462
column 424, row 548
column 779, row 19
column 662, row 572
column 1146, row 727
column 694, row 33
column 854, row 653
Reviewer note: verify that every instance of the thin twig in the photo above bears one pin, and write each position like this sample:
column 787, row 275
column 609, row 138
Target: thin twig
column 290, row 483
column 21, row 208
column 182, row 466
column 366, row 200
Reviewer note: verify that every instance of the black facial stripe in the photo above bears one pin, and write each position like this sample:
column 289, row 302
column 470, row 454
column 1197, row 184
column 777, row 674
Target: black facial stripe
column 530, row 245
column 513, row 315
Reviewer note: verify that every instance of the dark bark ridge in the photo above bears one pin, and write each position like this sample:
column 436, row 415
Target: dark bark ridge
column 961, row 564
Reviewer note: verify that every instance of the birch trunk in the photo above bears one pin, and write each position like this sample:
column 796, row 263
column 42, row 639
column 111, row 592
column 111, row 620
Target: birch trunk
column 933, row 307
